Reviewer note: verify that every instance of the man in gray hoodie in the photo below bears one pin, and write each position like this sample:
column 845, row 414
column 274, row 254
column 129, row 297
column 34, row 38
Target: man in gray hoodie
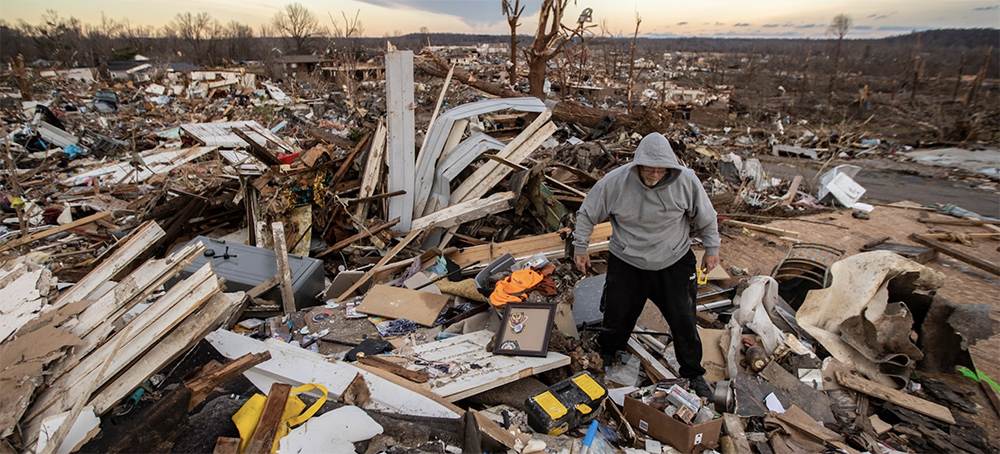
column 651, row 202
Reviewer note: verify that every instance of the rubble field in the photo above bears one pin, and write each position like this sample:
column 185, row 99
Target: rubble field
column 210, row 260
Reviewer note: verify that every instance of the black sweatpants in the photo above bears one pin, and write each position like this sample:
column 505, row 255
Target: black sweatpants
column 674, row 291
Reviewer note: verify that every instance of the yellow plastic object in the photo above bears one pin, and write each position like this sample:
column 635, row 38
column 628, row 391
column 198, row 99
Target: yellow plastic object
column 249, row 414
column 702, row 277
column 590, row 386
column 584, row 409
column 551, row 405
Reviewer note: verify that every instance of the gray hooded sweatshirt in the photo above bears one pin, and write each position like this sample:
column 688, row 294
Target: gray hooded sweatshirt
column 649, row 225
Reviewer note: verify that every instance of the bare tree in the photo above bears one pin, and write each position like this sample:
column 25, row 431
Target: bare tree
column 513, row 13
column 240, row 40
column 299, row 25
column 194, row 29
column 840, row 26
column 631, row 63
column 550, row 38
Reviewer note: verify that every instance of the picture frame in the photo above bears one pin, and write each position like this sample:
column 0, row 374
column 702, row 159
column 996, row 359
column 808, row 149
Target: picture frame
column 525, row 330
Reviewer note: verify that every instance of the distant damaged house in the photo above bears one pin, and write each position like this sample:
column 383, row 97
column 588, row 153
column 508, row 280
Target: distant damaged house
column 299, row 65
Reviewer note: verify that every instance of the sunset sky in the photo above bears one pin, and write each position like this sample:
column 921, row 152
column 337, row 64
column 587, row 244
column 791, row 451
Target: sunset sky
column 720, row 18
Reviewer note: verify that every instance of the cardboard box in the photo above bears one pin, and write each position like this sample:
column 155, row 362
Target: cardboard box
column 668, row 430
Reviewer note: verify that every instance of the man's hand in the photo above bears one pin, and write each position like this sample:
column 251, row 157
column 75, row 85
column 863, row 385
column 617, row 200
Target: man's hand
column 582, row 261
column 708, row 262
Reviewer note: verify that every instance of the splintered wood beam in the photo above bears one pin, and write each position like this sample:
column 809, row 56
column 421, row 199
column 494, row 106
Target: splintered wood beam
column 761, row 228
column 880, row 391
column 411, row 375
column 363, row 234
column 389, row 256
column 54, row 230
column 202, row 386
column 653, row 366
column 471, row 210
column 284, row 270
column 257, row 150
column 971, row 260
column 270, row 420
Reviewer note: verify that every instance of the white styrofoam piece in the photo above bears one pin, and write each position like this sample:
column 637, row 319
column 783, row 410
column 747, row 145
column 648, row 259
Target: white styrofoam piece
column 341, row 427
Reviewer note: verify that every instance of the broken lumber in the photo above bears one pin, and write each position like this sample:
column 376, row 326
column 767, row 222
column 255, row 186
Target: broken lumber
column 462, row 212
column 27, row 239
column 130, row 249
column 364, row 233
column 765, row 229
column 411, row 375
column 264, row 434
column 550, row 244
column 388, row 256
column 880, row 391
column 284, row 271
column 967, row 258
column 656, row 370
column 202, row 386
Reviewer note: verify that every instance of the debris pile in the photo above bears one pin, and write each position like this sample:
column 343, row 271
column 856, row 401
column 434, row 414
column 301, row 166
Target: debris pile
column 390, row 263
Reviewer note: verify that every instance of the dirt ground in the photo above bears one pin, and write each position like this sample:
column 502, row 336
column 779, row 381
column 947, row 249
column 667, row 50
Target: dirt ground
column 762, row 252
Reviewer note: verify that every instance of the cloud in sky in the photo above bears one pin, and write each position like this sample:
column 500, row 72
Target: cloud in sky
column 769, row 25
column 806, row 26
column 986, row 8
column 861, row 27
column 682, row 23
column 472, row 13
column 741, row 24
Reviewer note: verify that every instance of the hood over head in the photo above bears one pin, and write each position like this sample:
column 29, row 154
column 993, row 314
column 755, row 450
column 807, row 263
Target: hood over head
column 655, row 151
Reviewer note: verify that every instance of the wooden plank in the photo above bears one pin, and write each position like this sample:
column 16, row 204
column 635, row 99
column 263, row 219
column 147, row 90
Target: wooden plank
column 463, row 212
column 55, row 440
column 888, row 394
column 284, row 271
column 733, row 426
column 957, row 221
column 555, row 182
column 134, row 288
column 184, row 337
column 148, row 327
column 761, row 228
column 364, row 233
column 52, row 231
column 392, row 253
column 373, row 169
column 290, row 364
column 257, row 150
column 203, row 385
column 411, row 375
column 395, row 302
column 265, row 286
column 943, row 248
column 227, row 445
column 496, row 370
column 551, row 244
column 401, row 156
column 656, row 370
column 490, row 173
column 264, row 434
column 941, row 236
column 792, row 191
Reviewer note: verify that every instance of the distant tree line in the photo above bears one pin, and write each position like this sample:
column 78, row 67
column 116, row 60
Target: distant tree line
column 201, row 39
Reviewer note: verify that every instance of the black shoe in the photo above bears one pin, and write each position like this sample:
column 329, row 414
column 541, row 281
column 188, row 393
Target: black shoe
column 700, row 387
